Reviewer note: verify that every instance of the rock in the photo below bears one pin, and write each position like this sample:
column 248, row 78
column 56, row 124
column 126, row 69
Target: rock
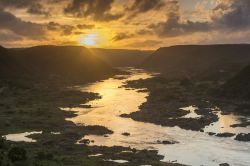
column 166, row 142
column 211, row 133
column 126, row 134
column 243, row 137
column 224, row 164
column 244, row 124
column 84, row 141
column 225, row 134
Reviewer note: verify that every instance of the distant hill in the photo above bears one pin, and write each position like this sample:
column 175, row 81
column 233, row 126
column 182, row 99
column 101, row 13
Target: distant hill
column 238, row 86
column 68, row 62
column 8, row 65
column 200, row 61
column 120, row 57
column 3, row 60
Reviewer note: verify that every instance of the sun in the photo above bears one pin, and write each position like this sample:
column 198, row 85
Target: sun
column 89, row 39
column 96, row 38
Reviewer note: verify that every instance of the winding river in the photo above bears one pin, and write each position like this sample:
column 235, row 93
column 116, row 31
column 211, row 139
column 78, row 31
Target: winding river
column 194, row 148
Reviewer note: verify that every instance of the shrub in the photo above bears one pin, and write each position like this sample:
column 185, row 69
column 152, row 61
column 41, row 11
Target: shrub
column 17, row 154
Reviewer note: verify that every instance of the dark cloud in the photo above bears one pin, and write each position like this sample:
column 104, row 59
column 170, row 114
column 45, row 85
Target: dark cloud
column 233, row 14
column 85, row 26
column 100, row 10
column 79, row 33
column 53, row 26
column 227, row 15
column 37, row 9
column 32, row 6
column 174, row 26
column 16, row 3
column 23, row 28
column 122, row 36
column 141, row 6
column 144, row 32
column 6, row 36
column 67, row 29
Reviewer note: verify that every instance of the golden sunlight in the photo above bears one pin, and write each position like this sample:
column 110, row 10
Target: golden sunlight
column 89, row 40
column 96, row 38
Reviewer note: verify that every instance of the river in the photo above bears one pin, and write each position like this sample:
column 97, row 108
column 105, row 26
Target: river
column 194, row 148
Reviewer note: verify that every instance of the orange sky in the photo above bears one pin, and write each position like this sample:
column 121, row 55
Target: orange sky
column 133, row 24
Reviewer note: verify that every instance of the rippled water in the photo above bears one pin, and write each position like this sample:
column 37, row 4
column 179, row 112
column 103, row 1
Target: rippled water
column 195, row 148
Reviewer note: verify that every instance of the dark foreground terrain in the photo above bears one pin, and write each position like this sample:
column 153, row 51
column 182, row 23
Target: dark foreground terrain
column 36, row 82
column 167, row 96
column 36, row 109
column 34, row 85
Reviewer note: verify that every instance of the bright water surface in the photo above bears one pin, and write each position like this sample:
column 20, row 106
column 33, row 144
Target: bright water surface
column 195, row 148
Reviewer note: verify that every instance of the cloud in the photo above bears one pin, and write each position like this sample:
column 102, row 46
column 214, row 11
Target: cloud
column 234, row 14
column 144, row 32
column 32, row 6
column 85, row 26
column 7, row 36
column 53, row 26
column 174, row 26
column 67, row 29
column 99, row 10
column 37, row 9
column 142, row 6
column 227, row 15
column 23, row 28
column 122, row 36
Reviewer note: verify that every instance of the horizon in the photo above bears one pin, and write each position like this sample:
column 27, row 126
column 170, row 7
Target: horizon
column 219, row 44
column 116, row 24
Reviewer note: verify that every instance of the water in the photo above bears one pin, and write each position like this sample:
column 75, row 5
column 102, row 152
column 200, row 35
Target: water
column 21, row 137
column 191, row 113
column 195, row 148
column 117, row 161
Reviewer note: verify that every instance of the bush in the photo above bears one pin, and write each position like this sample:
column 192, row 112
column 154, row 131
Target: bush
column 2, row 143
column 44, row 156
column 17, row 154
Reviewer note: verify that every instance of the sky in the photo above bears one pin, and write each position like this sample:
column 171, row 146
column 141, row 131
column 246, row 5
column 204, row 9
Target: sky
column 129, row 24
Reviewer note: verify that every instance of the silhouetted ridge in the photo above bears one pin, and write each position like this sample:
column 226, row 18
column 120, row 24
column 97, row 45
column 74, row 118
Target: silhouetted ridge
column 200, row 61
column 238, row 86
column 121, row 57
column 69, row 62
column 8, row 66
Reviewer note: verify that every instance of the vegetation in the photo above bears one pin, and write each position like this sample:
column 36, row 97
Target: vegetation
column 203, row 62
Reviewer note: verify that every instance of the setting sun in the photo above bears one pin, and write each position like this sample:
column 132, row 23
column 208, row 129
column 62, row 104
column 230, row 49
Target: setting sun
column 89, row 40
column 96, row 38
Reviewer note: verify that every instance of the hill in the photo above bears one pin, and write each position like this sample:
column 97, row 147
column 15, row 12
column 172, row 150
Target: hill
column 200, row 61
column 43, row 62
column 120, row 57
column 8, row 65
column 237, row 87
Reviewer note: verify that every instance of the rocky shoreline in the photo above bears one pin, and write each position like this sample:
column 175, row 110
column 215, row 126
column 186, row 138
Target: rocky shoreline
column 37, row 108
column 167, row 96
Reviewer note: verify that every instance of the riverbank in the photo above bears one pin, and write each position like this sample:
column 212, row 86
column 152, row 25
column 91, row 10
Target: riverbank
column 167, row 98
column 26, row 108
